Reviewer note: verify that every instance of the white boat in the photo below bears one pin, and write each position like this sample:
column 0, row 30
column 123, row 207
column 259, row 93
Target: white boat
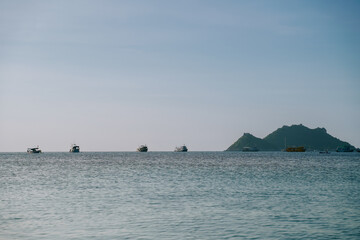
column 250, row 149
column 75, row 148
column 344, row 149
column 183, row 148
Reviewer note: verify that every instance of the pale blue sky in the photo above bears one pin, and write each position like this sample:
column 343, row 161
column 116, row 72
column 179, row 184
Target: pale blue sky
column 111, row 75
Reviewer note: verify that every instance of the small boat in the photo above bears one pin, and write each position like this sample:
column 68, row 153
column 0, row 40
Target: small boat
column 344, row 149
column 295, row 149
column 34, row 150
column 324, row 152
column 142, row 148
column 74, row 148
column 183, row 148
column 250, row 149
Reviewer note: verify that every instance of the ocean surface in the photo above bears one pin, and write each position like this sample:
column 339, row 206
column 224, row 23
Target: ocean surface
column 168, row 195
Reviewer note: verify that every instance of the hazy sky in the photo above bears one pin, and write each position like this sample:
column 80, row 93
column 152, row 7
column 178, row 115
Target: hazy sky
column 111, row 75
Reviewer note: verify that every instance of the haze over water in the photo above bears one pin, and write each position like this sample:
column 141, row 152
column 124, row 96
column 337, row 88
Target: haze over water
column 112, row 75
column 165, row 195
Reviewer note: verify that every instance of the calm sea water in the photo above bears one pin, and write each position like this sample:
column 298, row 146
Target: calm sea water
column 195, row 195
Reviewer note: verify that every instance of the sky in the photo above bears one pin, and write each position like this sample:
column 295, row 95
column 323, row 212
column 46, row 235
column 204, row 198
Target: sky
column 112, row 75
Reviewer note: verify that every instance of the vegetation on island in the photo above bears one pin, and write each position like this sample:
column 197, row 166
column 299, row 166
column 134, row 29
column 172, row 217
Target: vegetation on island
column 291, row 136
column 248, row 140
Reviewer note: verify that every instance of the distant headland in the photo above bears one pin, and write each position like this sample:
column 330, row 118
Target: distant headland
column 296, row 135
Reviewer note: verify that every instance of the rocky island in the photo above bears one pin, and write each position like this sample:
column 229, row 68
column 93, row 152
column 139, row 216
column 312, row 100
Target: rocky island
column 291, row 136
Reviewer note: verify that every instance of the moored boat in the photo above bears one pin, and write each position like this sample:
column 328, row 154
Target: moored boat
column 295, row 149
column 344, row 149
column 250, row 149
column 142, row 148
column 183, row 148
column 34, row 150
column 75, row 148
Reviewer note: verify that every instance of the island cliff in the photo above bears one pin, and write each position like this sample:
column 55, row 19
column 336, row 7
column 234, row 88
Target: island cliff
column 295, row 135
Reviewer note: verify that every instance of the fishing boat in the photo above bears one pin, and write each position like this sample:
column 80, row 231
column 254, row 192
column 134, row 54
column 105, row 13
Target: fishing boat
column 250, row 149
column 295, row 149
column 142, row 148
column 344, row 149
column 34, row 150
column 74, row 148
column 183, row 148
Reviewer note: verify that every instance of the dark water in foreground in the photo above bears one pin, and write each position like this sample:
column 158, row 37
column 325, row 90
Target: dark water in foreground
column 210, row 195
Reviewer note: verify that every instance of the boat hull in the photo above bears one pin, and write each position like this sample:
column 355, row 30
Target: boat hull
column 181, row 149
column 75, row 149
column 295, row 149
column 344, row 149
column 250, row 149
column 142, row 149
column 33, row 150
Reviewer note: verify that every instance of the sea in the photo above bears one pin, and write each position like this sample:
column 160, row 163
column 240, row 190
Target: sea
column 174, row 195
